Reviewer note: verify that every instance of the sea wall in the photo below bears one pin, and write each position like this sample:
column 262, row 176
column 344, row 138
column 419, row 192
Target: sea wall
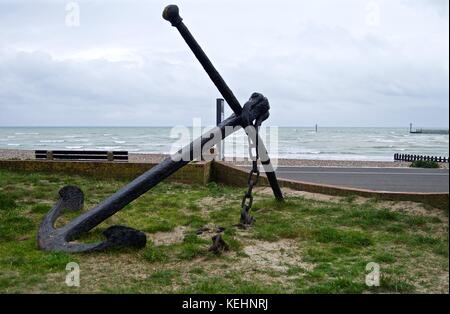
column 204, row 172
column 196, row 173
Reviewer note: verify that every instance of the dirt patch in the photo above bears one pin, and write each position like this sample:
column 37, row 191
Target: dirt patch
column 210, row 203
column 164, row 238
column 414, row 209
column 267, row 191
column 98, row 271
column 278, row 256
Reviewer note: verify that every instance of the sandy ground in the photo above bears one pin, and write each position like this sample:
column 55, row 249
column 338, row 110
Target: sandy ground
column 156, row 158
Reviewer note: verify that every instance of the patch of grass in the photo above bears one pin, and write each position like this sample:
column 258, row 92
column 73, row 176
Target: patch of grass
column 418, row 239
column 233, row 285
column 215, row 189
column 420, row 221
column 424, row 164
column 32, row 265
column 340, row 250
column 295, row 270
column 384, row 257
column 40, row 208
column 368, row 216
column 349, row 198
column 159, row 225
column 272, row 226
column 395, row 228
column 441, row 249
column 195, row 221
column 342, row 237
column 189, row 251
column 155, row 254
column 163, row 277
column 197, row 271
column 6, row 201
column 234, row 244
column 319, row 255
column 395, row 285
column 341, row 285
column 14, row 224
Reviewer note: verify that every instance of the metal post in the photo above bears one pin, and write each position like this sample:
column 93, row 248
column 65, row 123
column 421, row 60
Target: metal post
column 219, row 118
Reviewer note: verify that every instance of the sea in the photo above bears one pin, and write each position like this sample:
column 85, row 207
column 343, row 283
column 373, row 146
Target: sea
column 328, row 143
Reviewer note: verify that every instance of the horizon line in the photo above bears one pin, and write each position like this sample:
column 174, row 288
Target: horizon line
column 171, row 126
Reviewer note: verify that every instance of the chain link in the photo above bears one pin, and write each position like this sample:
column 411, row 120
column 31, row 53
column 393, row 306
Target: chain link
column 252, row 181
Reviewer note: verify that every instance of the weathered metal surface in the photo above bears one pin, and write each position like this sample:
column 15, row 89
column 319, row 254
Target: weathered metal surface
column 72, row 198
column 171, row 14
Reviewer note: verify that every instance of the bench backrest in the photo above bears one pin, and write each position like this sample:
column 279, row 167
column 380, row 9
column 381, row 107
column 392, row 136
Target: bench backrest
column 81, row 155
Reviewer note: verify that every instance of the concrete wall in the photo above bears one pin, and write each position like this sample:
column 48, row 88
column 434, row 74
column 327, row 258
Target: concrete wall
column 204, row 172
column 231, row 175
column 198, row 173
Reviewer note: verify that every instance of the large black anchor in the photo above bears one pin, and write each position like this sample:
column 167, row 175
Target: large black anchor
column 71, row 198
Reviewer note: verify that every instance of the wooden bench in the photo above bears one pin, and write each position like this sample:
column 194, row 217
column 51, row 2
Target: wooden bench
column 81, row 155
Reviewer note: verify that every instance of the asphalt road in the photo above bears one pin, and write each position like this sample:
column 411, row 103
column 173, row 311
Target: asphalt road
column 379, row 179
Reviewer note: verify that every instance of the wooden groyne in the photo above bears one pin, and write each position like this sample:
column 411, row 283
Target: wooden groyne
column 409, row 157
column 426, row 130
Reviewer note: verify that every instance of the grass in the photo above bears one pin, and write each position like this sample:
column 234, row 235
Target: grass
column 424, row 164
column 297, row 246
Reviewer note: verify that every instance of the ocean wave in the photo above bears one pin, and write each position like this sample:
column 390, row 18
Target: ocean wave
column 72, row 136
column 74, row 147
column 108, row 147
column 51, row 141
column 331, row 143
column 80, row 140
column 26, row 133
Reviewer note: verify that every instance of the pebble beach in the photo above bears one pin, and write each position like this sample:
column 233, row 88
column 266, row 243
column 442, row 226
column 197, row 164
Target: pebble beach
column 17, row 154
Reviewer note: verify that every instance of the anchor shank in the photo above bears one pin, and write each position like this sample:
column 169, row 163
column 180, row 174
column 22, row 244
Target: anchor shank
column 215, row 76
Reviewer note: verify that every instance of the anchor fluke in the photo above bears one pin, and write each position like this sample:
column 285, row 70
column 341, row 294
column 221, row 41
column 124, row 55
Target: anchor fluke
column 122, row 236
column 71, row 198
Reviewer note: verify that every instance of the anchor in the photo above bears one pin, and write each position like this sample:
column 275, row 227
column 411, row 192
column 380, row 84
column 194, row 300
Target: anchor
column 71, row 198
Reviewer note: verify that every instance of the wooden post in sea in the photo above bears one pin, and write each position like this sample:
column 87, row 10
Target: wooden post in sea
column 316, row 127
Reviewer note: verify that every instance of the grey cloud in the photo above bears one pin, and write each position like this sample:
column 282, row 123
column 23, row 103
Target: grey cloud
column 316, row 61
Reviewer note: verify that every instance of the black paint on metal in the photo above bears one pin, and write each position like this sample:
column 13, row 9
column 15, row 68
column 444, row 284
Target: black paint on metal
column 72, row 198
column 171, row 14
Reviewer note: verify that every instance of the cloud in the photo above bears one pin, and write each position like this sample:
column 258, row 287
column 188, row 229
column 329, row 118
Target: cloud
column 317, row 62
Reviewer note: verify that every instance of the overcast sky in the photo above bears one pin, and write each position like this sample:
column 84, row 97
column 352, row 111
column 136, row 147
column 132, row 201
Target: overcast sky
column 335, row 63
